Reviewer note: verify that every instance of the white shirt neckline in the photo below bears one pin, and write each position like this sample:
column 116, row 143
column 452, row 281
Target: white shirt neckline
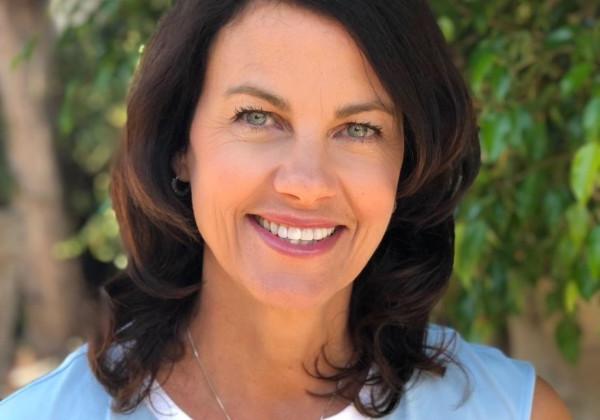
column 163, row 407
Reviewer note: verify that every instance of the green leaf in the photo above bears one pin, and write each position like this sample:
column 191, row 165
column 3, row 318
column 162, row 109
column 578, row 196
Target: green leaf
column 481, row 62
column 564, row 255
column 522, row 125
column 495, row 129
column 591, row 120
column 516, row 296
column 593, row 252
column 553, row 208
column 587, row 284
column 447, row 27
column 575, row 78
column 584, row 171
column 553, row 301
column 586, row 45
column 500, row 217
column 66, row 119
column 578, row 220
column 470, row 245
column 568, row 337
column 528, row 196
column 571, row 296
column 500, row 82
column 537, row 140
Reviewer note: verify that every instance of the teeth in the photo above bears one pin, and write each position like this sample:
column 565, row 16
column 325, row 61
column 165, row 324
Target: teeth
column 282, row 232
column 307, row 235
column 293, row 234
column 264, row 223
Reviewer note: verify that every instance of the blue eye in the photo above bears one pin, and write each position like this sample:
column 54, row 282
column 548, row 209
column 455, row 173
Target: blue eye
column 356, row 130
column 255, row 117
column 363, row 131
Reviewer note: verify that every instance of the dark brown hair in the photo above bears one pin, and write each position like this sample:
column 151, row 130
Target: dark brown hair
column 149, row 305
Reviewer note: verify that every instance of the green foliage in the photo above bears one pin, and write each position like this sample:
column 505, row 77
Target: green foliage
column 97, row 54
column 533, row 212
column 568, row 336
column 534, row 69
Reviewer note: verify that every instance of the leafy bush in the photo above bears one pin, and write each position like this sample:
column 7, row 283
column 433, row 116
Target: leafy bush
column 532, row 215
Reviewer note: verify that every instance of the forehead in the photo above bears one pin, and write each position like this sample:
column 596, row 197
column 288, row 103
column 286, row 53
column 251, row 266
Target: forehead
column 292, row 51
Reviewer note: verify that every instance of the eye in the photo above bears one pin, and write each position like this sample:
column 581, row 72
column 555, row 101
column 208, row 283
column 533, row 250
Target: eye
column 256, row 118
column 363, row 131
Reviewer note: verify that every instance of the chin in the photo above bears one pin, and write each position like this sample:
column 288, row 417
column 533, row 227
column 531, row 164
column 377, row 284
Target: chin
column 291, row 293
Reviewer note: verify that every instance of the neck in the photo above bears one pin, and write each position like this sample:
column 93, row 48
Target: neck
column 256, row 351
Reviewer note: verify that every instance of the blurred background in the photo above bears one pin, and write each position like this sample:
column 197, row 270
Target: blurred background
column 527, row 265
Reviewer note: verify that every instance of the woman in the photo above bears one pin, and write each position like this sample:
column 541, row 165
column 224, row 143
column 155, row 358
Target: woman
column 285, row 194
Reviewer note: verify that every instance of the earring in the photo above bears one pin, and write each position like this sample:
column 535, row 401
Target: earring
column 180, row 190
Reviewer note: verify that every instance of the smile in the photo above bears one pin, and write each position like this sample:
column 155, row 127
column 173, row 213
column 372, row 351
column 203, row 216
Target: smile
column 295, row 235
column 288, row 240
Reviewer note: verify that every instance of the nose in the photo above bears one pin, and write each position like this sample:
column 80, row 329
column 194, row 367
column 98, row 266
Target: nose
column 305, row 175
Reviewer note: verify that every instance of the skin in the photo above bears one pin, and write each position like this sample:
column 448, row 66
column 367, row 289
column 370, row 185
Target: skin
column 302, row 160
column 547, row 404
column 263, row 314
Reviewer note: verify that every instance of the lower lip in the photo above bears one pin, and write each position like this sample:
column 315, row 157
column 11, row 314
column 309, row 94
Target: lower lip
column 284, row 247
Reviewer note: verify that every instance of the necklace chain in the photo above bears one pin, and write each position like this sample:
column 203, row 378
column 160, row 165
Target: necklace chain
column 214, row 392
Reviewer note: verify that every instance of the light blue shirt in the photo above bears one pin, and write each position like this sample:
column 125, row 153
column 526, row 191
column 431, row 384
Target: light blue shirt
column 498, row 387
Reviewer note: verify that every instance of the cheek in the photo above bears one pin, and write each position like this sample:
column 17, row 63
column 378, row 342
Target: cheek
column 224, row 174
column 372, row 185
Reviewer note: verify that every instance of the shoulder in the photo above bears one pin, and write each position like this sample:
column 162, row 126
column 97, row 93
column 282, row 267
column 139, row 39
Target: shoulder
column 69, row 392
column 68, row 389
column 547, row 405
column 480, row 382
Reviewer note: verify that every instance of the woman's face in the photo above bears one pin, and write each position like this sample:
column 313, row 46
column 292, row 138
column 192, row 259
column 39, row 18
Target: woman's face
column 304, row 152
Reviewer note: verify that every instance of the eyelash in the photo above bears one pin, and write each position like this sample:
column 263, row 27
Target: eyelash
column 377, row 130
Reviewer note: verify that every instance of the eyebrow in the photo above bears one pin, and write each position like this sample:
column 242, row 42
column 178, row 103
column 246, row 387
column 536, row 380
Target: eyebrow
column 282, row 104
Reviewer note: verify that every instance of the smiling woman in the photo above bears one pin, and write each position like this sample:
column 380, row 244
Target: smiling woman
column 285, row 191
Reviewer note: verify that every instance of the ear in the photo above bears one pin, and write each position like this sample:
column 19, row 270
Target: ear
column 180, row 166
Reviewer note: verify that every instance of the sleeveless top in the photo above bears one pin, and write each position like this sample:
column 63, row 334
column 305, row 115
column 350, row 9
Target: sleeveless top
column 485, row 385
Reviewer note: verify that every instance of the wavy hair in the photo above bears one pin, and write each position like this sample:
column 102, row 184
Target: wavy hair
column 147, row 307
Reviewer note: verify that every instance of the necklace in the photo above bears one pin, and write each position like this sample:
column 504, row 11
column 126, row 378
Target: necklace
column 214, row 392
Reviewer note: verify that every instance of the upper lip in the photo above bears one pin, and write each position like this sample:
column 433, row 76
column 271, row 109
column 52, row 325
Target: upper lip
column 296, row 221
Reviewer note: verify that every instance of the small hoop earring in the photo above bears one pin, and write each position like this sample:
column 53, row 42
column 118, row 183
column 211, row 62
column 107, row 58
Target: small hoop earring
column 179, row 190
